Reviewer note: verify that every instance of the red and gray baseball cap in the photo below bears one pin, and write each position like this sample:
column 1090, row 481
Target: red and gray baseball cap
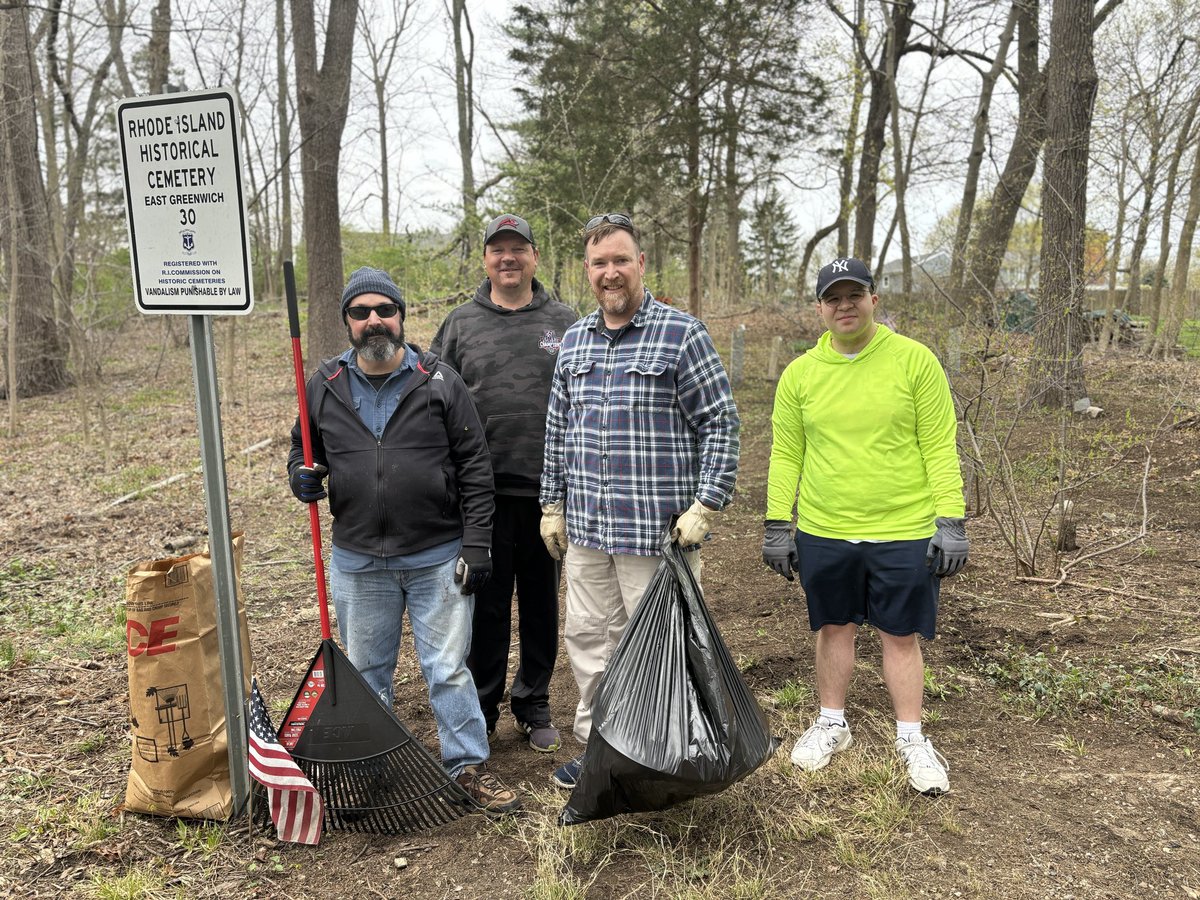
column 844, row 268
column 508, row 222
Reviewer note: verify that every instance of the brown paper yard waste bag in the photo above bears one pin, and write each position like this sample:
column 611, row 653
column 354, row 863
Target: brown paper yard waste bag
column 176, row 703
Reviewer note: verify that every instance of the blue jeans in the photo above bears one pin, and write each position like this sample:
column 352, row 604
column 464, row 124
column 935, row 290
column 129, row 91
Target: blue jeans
column 370, row 607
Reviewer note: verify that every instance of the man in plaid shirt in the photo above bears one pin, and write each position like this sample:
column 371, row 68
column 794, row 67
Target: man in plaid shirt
column 641, row 426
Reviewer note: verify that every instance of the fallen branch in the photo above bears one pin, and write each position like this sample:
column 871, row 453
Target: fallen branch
column 1061, row 582
column 246, row 451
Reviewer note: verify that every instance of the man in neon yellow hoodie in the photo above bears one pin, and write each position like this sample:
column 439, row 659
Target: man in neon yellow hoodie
column 865, row 426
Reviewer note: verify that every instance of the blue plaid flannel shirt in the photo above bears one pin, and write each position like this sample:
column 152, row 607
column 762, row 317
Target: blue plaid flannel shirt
column 638, row 428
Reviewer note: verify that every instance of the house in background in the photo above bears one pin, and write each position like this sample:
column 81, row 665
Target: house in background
column 928, row 271
column 931, row 272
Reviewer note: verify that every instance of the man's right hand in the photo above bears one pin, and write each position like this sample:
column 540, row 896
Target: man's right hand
column 779, row 548
column 306, row 483
column 554, row 529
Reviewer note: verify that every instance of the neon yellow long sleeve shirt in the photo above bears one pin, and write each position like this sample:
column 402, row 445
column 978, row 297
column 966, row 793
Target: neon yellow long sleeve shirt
column 870, row 441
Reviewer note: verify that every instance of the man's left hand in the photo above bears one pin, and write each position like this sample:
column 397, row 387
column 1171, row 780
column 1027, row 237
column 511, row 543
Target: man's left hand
column 474, row 568
column 947, row 553
column 693, row 525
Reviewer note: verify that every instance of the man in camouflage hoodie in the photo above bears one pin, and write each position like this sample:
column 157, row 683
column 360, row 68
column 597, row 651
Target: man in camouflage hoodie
column 504, row 343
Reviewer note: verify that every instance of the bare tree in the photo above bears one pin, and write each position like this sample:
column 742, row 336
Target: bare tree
column 79, row 120
column 38, row 350
column 1184, row 139
column 878, row 109
column 284, row 119
column 323, row 97
column 902, row 160
column 464, row 94
column 158, row 50
column 381, row 55
column 996, row 225
column 1056, row 372
column 1171, row 319
column 966, row 209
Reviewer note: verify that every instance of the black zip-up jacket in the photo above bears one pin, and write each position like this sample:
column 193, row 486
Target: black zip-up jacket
column 427, row 481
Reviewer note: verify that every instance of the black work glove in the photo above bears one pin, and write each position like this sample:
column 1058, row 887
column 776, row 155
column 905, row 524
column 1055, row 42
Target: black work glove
column 306, row 483
column 474, row 568
column 779, row 548
column 947, row 553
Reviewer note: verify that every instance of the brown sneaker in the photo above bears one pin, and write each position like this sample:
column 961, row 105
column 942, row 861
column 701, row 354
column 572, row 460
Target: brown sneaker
column 488, row 792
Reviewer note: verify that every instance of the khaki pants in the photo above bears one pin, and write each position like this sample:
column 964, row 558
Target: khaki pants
column 603, row 590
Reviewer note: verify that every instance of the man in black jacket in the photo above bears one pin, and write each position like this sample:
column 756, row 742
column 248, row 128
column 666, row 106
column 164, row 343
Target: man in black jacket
column 410, row 491
column 504, row 344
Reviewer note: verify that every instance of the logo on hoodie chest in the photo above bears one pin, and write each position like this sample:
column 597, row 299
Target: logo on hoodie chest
column 550, row 341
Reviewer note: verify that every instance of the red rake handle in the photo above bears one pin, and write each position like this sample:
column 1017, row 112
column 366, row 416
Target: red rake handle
column 314, row 516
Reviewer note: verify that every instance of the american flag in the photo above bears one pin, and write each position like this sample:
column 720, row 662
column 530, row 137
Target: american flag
column 296, row 807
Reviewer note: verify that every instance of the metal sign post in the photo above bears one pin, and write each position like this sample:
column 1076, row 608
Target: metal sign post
column 190, row 254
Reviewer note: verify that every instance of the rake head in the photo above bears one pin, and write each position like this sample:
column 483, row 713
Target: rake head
column 371, row 771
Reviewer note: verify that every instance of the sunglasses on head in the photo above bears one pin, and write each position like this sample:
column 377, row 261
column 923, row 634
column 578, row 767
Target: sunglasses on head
column 362, row 313
column 619, row 219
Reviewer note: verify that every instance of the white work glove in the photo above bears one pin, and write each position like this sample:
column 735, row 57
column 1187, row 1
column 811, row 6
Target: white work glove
column 693, row 525
column 553, row 528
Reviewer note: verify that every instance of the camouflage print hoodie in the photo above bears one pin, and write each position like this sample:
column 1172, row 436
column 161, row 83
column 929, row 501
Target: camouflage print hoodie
column 506, row 358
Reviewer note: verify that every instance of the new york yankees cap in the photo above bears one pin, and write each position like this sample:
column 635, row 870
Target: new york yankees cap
column 844, row 268
column 508, row 222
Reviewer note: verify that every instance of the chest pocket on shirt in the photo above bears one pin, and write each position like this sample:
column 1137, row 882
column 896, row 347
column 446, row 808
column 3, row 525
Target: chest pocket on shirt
column 647, row 384
column 581, row 383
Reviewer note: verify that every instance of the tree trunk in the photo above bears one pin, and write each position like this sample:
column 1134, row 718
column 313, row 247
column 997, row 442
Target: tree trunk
column 874, row 136
column 158, row 48
column 966, row 208
column 464, row 92
column 850, row 146
column 1172, row 314
column 732, row 267
column 1056, row 372
column 286, row 241
column 40, row 347
column 1133, row 303
column 322, row 98
column 996, row 227
column 1183, row 142
column 1107, row 337
column 695, row 217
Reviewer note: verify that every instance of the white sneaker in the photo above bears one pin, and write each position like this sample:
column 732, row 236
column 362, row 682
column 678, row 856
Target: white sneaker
column 817, row 745
column 926, row 767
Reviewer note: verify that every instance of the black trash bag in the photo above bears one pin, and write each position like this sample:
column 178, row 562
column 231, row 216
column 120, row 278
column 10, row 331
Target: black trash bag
column 672, row 718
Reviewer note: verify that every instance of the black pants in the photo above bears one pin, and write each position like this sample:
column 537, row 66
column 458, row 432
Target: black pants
column 520, row 557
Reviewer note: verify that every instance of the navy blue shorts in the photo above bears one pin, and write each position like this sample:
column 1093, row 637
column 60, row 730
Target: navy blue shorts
column 885, row 584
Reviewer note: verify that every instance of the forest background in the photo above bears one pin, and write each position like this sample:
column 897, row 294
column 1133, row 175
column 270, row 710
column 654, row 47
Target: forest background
column 1016, row 174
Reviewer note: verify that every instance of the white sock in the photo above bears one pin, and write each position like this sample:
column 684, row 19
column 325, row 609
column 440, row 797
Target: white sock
column 908, row 731
column 833, row 716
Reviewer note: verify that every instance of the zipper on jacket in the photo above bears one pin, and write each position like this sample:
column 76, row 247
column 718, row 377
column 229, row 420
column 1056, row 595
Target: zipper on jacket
column 379, row 488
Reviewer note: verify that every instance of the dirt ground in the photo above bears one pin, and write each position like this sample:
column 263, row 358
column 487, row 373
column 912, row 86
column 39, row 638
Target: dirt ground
column 1068, row 714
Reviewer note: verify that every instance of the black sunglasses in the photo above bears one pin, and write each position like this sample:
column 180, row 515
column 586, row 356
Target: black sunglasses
column 619, row 219
column 362, row 313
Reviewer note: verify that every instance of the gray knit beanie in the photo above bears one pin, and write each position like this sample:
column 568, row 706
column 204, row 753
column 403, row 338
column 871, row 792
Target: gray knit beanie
column 371, row 281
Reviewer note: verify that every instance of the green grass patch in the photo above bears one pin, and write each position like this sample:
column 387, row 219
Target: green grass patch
column 79, row 824
column 1047, row 683
column 134, row 883
column 129, row 479
column 792, row 695
column 62, row 617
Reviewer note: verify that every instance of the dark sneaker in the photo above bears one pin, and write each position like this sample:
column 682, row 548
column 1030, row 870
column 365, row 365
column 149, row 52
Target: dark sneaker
column 488, row 792
column 566, row 775
column 543, row 737
column 491, row 735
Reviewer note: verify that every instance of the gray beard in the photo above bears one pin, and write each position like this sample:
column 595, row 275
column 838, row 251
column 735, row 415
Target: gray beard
column 378, row 346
